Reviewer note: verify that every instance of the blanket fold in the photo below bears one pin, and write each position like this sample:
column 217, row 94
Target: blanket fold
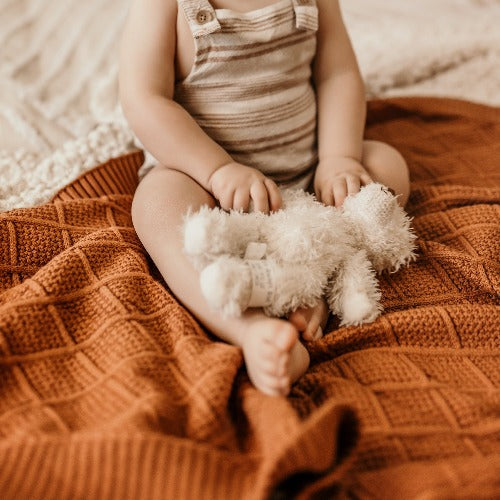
column 109, row 388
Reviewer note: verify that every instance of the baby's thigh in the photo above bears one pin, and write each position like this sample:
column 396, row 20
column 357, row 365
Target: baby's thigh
column 386, row 165
column 161, row 200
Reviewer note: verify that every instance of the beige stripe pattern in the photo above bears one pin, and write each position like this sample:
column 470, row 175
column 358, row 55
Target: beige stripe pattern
column 250, row 85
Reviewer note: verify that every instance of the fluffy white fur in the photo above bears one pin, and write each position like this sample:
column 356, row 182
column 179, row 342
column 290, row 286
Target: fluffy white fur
column 293, row 257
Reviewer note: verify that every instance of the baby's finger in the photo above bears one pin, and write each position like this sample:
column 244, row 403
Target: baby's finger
column 241, row 200
column 353, row 184
column 365, row 179
column 258, row 193
column 339, row 191
column 326, row 196
column 274, row 195
column 226, row 200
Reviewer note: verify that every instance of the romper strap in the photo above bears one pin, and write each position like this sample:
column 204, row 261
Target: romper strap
column 306, row 14
column 200, row 16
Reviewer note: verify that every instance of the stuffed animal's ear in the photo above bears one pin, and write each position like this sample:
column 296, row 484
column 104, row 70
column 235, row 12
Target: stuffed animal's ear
column 381, row 226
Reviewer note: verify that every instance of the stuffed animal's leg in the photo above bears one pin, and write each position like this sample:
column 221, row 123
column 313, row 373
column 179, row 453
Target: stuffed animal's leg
column 231, row 285
column 354, row 294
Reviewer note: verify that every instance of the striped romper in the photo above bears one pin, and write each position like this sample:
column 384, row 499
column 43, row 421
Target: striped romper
column 250, row 86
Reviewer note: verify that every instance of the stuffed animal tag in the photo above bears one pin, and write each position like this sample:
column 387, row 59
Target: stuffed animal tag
column 263, row 283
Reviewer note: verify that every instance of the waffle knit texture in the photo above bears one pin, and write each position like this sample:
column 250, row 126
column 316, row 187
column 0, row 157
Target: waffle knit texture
column 110, row 389
column 250, row 85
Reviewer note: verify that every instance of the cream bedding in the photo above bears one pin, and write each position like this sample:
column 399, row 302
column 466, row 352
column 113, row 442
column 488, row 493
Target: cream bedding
column 58, row 76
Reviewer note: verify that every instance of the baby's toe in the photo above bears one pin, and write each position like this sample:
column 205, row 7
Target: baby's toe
column 273, row 360
column 298, row 319
column 273, row 385
column 275, row 366
column 317, row 317
column 319, row 333
column 314, row 331
column 312, row 334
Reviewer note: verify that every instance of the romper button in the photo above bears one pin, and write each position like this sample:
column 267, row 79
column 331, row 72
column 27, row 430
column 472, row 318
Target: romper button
column 203, row 16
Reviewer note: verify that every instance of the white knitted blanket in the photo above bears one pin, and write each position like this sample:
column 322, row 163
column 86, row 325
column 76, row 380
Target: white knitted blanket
column 59, row 113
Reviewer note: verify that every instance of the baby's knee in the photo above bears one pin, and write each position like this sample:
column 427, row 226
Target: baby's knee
column 142, row 203
column 164, row 196
column 387, row 166
column 400, row 175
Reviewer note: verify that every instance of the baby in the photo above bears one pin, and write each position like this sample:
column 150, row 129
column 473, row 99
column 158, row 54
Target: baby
column 237, row 99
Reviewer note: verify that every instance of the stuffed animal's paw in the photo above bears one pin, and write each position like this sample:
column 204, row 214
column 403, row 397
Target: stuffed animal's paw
column 226, row 285
column 231, row 285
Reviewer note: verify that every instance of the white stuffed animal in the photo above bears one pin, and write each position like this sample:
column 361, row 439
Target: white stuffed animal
column 304, row 251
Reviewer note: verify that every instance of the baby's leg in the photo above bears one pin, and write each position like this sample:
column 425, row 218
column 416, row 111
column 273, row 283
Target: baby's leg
column 273, row 354
column 386, row 165
column 310, row 321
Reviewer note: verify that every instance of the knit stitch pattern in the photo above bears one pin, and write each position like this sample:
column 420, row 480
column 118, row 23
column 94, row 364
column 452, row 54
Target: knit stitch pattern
column 109, row 388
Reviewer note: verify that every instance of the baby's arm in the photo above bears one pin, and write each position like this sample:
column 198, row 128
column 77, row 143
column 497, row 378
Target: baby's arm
column 341, row 110
column 147, row 79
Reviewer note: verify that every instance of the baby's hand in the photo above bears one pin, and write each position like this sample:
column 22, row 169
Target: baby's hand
column 234, row 185
column 336, row 178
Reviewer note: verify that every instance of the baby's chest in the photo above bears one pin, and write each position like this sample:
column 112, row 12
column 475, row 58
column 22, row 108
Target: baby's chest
column 185, row 44
column 266, row 38
column 241, row 6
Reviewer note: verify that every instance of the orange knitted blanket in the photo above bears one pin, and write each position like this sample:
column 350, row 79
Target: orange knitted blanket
column 110, row 389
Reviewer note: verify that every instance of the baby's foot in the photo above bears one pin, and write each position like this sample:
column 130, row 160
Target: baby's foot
column 310, row 321
column 274, row 356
